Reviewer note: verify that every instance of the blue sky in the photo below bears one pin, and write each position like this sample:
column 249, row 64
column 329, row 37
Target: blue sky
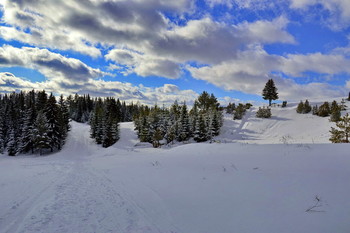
column 157, row 51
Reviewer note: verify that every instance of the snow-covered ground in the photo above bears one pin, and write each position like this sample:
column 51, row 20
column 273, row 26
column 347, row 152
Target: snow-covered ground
column 259, row 176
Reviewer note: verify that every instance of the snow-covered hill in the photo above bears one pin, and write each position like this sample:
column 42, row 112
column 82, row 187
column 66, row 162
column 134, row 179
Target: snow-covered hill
column 285, row 126
column 259, row 176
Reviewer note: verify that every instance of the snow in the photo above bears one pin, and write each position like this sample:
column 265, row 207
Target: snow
column 260, row 175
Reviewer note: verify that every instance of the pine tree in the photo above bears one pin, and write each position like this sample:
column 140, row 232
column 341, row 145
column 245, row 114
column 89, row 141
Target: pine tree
column 341, row 135
column 28, row 137
column 324, row 110
column 343, row 105
column 264, row 113
column 307, row 107
column 184, row 124
column 12, row 143
column 300, row 107
column 63, row 120
column 270, row 91
column 349, row 96
column 335, row 113
column 53, row 127
column 200, row 134
column 42, row 141
column 2, row 126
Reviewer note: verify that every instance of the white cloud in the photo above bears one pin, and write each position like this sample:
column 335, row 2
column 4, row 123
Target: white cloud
column 338, row 11
column 144, row 65
column 251, row 69
column 51, row 65
column 166, row 94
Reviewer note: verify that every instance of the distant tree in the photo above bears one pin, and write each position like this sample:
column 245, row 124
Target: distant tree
column 270, row 91
column 307, row 107
column 284, row 104
column 341, row 135
column 300, row 107
column 349, row 96
column 324, row 110
column 343, row 105
column 335, row 112
column 239, row 112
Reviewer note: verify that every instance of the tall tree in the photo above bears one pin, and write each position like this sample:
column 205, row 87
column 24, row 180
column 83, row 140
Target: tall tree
column 270, row 91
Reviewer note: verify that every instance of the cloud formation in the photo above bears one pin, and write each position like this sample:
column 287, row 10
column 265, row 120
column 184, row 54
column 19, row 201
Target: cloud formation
column 52, row 65
column 161, row 38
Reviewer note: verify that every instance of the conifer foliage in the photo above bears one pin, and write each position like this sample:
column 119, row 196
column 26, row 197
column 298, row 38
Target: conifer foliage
column 341, row 135
column 167, row 125
column 104, row 122
column 270, row 91
column 304, row 108
column 32, row 122
column 263, row 112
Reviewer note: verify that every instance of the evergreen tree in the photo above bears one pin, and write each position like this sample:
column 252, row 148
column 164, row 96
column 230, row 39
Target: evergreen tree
column 28, row 137
column 335, row 112
column 42, row 141
column 343, row 105
column 12, row 143
column 239, row 112
column 315, row 110
column 307, row 107
column 341, row 135
column 63, row 120
column 263, row 113
column 200, row 134
column 2, row 126
column 270, row 91
column 349, row 96
column 184, row 124
column 324, row 110
column 300, row 107
column 53, row 127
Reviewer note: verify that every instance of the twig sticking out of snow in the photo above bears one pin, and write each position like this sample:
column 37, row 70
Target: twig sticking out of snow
column 318, row 204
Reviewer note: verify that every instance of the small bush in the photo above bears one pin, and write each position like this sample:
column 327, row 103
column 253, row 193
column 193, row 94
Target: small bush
column 264, row 113
column 284, row 104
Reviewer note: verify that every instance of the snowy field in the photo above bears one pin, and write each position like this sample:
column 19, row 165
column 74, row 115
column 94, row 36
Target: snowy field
column 278, row 175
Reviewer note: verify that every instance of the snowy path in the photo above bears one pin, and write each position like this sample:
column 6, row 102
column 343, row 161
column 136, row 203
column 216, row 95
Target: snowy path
column 74, row 196
column 197, row 188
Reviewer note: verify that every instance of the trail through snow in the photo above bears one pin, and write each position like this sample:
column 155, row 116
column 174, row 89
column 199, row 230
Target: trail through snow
column 259, row 177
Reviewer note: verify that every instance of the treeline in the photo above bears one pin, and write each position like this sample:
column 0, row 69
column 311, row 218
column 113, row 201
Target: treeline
column 82, row 106
column 166, row 125
column 103, row 115
column 237, row 111
column 324, row 110
column 32, row 122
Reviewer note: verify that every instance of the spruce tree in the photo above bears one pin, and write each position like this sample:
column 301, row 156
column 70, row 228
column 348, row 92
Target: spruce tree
column 42, row 141
column 324, row 110
column 270, row 91
column 200, row 134
column 53, row 127
column 307, row 107
column 12, row 143
column 300, row 107
column 184, row 124
column 341, row 135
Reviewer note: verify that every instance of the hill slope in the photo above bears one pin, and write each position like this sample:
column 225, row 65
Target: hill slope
column 251, row 185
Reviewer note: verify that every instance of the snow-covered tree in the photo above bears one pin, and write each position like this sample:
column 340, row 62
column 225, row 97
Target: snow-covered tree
column 42, row 141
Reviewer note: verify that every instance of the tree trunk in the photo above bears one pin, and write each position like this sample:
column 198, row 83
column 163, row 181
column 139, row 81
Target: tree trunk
column 270, row 102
